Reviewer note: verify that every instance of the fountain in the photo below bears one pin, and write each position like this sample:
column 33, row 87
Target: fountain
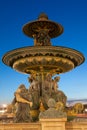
column 42, row 62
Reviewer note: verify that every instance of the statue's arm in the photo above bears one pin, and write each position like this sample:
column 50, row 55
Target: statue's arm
column 21, row 99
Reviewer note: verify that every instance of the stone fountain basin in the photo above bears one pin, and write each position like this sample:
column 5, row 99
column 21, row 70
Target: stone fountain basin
column 55, row 59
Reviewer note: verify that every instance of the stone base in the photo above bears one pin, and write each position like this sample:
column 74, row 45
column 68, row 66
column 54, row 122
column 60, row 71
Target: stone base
column 20, row 126
column 53, row 124
column 76, row 125
column 45, row 124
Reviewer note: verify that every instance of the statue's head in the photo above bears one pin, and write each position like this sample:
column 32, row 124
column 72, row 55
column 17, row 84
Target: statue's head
column 57, row 78
column 21, row 88
column 51, row 103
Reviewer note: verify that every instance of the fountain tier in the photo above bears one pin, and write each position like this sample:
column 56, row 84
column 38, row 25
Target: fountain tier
column 51, row 59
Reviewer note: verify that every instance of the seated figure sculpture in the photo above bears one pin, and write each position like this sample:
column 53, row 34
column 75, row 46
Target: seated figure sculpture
column 35, row 91
column 23, row 101
column 52, row 112
column 50, row 90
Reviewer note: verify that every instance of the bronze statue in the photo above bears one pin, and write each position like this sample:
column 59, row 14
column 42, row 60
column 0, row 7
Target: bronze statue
column 23, row 101
column 41, row 38
column 51, row 112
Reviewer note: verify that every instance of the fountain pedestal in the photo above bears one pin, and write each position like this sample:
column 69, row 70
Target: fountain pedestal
column 53, row 124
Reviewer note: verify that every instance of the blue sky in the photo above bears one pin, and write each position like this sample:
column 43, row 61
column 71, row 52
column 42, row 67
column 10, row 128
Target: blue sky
column 71, row 14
